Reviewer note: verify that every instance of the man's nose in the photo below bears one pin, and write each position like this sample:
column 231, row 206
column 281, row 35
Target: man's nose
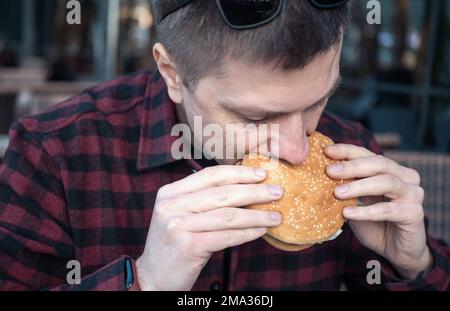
column 292, row 150
column 292, row 143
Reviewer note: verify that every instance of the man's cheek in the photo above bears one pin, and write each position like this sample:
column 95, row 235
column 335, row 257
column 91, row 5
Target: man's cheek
column 311, row 120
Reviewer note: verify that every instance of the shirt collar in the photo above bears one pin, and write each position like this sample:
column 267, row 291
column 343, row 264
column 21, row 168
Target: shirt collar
column 157, row 121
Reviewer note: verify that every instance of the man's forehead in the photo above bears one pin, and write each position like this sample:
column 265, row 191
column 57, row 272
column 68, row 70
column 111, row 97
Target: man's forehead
column 245, row 84
column 239, row 77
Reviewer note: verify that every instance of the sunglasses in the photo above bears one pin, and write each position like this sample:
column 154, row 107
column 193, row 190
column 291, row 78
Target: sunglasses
column 246, row 14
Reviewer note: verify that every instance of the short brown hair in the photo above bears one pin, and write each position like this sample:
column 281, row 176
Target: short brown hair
column 199, row 41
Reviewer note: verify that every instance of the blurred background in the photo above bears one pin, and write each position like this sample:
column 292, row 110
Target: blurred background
column 396, row 76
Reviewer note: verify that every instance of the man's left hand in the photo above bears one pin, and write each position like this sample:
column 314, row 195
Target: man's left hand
column 394, row 226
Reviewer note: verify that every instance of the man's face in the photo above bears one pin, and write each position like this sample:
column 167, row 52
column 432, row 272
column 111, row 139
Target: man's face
column 258, row 94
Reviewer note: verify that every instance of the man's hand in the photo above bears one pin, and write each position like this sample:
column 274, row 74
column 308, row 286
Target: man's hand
column 199, row 215
column 393, row 227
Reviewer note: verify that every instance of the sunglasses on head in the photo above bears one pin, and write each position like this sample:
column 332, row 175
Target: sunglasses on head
column 246, row 14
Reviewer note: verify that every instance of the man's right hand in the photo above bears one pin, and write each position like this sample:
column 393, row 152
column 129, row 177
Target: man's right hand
column 199, row 215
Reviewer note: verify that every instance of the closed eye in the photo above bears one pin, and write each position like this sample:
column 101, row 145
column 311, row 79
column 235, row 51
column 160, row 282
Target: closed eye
column 260, row 119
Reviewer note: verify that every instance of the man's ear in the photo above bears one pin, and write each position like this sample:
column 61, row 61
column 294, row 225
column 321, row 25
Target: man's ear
column 168, row 72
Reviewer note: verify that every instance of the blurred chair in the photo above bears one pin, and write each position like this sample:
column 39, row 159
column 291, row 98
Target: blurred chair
column 25, row 91
column 434, row 170
column 13, row 82
column 19, row 78
column 385, row 119
column 52, row 93
column 388, row 140
column 442, row 132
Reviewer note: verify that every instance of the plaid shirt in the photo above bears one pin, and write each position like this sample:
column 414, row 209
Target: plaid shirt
column 79, row 183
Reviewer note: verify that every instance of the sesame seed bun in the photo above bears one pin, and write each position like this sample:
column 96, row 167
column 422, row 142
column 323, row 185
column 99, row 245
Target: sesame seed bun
column 287, row 247
column 311, row 214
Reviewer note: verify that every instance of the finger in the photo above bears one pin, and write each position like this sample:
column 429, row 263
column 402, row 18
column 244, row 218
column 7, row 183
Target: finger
column 370, row 166
column 219, row 240
column 225, row 196
column 347, row 152
column 386, row 211
column 211, row 177
column 230, row 218
column 381, row 185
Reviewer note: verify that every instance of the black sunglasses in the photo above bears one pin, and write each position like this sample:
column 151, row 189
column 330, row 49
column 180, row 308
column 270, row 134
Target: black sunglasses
column 245, row 14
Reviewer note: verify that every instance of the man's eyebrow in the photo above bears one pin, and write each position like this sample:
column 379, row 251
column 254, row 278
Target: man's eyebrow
column 255, row 110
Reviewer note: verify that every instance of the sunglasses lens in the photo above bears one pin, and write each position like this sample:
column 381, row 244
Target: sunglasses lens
column 249, row 12
column 328, row 4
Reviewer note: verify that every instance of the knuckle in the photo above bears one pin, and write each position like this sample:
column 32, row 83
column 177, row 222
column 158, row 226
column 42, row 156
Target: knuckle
column 163, row 191
column 173, row 225
column 386, row 210
column 228, row 215
column 173, row 234
column 419, row 194
column 212, row 172
column 391, row 180
column 381, row 160
column 221, row 193
column 416, row 212
column 415, row 176
column 164, row 208
column 420, row 213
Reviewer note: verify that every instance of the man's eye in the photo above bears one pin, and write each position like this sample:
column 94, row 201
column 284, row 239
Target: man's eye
column 256, row 120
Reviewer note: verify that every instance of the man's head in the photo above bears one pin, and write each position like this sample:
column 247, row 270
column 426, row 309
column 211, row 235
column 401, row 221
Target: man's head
column 280, row 73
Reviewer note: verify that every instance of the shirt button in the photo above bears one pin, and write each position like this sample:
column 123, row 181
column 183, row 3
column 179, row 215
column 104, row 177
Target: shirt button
column 215, row 286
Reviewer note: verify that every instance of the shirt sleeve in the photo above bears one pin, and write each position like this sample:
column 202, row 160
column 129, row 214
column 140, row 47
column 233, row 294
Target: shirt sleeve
column 358, row 257
column 35, row 233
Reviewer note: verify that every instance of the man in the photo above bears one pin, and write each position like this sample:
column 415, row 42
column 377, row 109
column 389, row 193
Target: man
column 94, row 179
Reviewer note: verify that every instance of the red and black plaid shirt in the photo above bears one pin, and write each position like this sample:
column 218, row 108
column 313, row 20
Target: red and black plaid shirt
column 79, row 183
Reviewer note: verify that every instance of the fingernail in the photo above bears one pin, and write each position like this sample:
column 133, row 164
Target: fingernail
column 275, row 216
column 336, row 168
column 275, row 190
column 260, row 172
column 349, row 211
column 342, row 189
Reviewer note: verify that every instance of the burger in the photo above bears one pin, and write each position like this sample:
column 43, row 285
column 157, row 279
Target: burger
column 311, row 214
